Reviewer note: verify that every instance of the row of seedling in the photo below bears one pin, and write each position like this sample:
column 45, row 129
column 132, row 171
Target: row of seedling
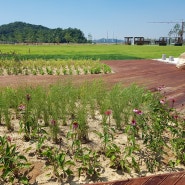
column 52, row 67
column 69, row 117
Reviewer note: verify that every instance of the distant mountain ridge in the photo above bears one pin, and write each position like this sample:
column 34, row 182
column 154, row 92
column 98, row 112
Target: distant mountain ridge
column 110, row 40
column 20, row 32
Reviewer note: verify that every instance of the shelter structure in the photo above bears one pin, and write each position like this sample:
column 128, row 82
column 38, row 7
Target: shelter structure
column 178, row 41
column 128, row 40
column 139, row 40
column 136, row 41
column 162, row 41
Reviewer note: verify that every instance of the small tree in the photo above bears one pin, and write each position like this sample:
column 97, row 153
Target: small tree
column 177, row 30
column 89, row 38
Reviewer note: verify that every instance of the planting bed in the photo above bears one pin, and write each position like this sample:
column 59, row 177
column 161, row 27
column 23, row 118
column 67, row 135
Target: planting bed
column 52, row 67
column 147, row 73
column 116, row 150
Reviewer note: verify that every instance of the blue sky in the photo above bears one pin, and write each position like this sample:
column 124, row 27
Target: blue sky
column 101, row 18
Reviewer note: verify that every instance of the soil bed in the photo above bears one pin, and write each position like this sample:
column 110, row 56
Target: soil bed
column 147, row 73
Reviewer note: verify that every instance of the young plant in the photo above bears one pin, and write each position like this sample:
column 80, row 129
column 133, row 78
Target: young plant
column 58, row 72
column 58, row 161
column 117, row 105
column 2, row 102
column 41, row 71
column 27, row 122
column 85, row 71
column 63, row 164
column 108, row 114
column 83, row 126
column 40, row 143
column 7, row 116
column 73, row 135
column 131, row 146
column 64, row 70
column 106, row 136
column 90, row 164
column 54, row 128
column 114, row 153
column 11, row 162
column 179, row 147
column 106, row 69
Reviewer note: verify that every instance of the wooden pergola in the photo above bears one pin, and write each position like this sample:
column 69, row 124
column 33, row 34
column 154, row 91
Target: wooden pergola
column 128, row 40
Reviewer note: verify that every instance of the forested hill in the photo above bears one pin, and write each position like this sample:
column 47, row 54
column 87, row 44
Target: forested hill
column 19, row 32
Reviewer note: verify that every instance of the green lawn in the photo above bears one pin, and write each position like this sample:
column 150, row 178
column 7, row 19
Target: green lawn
column 102, row 52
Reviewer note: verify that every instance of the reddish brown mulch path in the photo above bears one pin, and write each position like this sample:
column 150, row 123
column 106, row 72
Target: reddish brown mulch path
column 148, row 73
column 177, row 178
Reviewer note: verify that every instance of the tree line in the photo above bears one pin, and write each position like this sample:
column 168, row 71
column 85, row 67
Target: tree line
column 19, row 32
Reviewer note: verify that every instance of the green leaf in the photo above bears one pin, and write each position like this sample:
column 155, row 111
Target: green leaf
column 69, row 163
column 69, row 172
column 113, row 158
column 22, row 157
column 24, row 165
column 24, row 180
column 79, row 171
column 61, row 157
column 183, row 134
column 42, row 131
column 6, row 173
column 28, row 149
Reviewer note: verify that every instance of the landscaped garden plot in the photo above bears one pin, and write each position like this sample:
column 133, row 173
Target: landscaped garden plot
column 88, row 133
column 52, row 67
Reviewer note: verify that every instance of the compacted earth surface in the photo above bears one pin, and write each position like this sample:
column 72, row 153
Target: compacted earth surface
column 150, row 74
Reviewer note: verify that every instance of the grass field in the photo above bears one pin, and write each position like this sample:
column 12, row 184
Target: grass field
column 102, row 52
